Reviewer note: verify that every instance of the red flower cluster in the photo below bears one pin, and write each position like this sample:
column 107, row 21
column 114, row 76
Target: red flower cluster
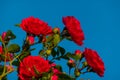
column 35, row 26
column 94, row 61
column 74, row 29
column 32, row 64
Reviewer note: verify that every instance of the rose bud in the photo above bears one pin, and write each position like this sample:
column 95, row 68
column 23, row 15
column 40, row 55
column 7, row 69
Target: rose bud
column 85, row 64
column 78, row 53
column 56, row 30
column 48, row 52
column 4, row 35
column 54, row 77
column 9, row 68
column 77, row 73
column 71, row 63
column 30, row 40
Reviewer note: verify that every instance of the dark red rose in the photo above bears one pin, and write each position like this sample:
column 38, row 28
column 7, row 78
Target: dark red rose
column 74, row 29
column 35, row 26
column 4, row 35
column 94, row 61
column 31, row 64
column 54, row 77
column 1, row 50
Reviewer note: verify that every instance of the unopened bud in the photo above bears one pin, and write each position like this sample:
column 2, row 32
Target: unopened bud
column 78, row 53
column 56, row 30
column 9, row 68
column 48, row 52
column 77, row 73
column 71, row 63
column 30, row 40
column 4, row 35
column 85, row 64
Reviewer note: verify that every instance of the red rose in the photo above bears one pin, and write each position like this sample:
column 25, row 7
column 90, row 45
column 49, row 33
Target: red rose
column 1, row 50
column 35, row 26
column 94, row 61
column 74, row 29
column 54, row 77
column 31, row 64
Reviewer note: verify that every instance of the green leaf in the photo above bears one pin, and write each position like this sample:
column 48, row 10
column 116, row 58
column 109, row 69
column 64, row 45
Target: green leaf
column 54, row 53
column 58, row 52
column 15, row 63
column 59, row 67
column 65, row 77
column 41, row 52
column 70, row 55
column 13, row 48
column 62, row 50
column 10, row 35
column 24, row 54
column 65, row 57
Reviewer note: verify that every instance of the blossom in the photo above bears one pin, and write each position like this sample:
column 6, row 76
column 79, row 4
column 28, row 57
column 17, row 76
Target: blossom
column 33, row 66
column 71, row 63
column 55, row 73
column 4, row 35
column 35, row 26
column 30, row 39
column 1, row 50
column 77, row 52
column 94, row 61
column 54, row 77
column 74, row 29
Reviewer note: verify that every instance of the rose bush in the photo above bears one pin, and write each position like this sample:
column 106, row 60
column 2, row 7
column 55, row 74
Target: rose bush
column 44, row 66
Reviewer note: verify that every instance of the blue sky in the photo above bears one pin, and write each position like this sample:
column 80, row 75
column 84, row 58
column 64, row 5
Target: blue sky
column 100, row 21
